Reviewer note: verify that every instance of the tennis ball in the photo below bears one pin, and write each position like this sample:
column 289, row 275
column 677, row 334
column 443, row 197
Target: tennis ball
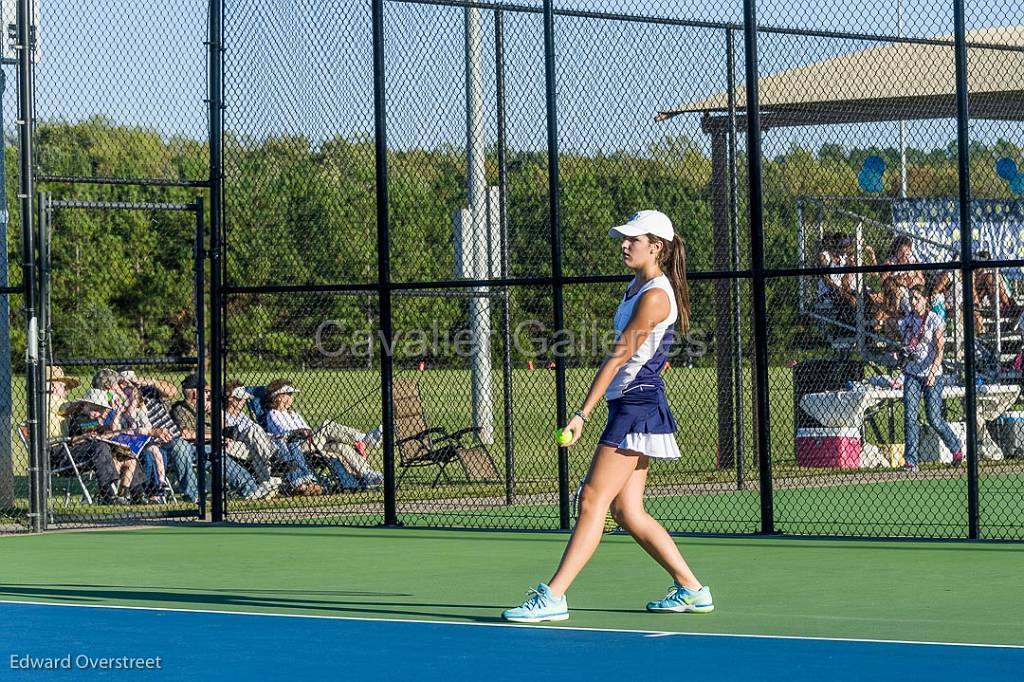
column 563, row 436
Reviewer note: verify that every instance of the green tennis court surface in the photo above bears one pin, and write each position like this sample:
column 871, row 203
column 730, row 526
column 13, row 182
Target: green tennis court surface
column 922, row 591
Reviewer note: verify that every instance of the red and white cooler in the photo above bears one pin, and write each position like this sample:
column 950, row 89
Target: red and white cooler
column 828, row 447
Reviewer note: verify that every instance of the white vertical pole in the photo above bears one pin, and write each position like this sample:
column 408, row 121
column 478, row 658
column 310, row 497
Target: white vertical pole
column 903, row 124
column 477, row 242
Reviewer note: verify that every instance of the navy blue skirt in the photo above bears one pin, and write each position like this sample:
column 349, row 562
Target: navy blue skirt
column 641, row 410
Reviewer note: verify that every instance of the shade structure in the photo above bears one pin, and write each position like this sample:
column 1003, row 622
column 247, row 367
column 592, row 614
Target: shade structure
column 890, row 82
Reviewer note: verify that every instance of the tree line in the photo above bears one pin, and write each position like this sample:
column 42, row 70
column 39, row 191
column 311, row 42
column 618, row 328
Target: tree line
column 299, row 211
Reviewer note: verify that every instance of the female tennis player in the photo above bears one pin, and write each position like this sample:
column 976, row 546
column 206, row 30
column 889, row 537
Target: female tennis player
column 640, row 425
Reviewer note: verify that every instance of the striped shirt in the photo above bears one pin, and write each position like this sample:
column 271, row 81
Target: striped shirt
column 156, row 409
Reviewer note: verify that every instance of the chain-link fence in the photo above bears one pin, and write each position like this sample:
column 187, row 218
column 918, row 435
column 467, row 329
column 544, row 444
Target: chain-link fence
column 410, row 285
column 120, row 336
column 14, row 456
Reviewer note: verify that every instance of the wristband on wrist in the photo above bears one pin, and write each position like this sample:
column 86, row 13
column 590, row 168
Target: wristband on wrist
column 579, row 413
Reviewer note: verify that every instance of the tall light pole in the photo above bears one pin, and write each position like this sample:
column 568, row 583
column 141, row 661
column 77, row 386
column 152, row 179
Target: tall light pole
column 903, row 124
column 473, row 228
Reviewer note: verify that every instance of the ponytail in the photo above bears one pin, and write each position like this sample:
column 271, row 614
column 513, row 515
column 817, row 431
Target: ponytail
column 673, row 263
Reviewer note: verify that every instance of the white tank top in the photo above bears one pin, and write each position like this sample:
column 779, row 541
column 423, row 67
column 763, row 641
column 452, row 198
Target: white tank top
column 644, row 368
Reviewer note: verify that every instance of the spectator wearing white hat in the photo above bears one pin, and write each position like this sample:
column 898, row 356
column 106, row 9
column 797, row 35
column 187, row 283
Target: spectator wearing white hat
column 339, row 442
column 265, row 455
column 90, row 432
column 88, row 453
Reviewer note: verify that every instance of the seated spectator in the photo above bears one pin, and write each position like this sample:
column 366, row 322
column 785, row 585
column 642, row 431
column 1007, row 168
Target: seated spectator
column 179, row 454
column 895, row 295
column 89, row 424
column 184, row 414
column 126, row 376
column 266, row 455
column 129, row 416
column 843, row 290
column 89, row 453
column 990, row 289
column 136, row 418
column 896, row 285
column 830, row 255
column 342, row 444
column 939, row 287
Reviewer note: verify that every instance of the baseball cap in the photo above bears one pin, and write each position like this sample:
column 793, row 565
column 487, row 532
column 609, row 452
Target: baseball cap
column 645, row 222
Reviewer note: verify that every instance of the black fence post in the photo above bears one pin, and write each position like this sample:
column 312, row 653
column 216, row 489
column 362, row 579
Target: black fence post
column 506, row 356
column 383, row 261
column 33, row 377
column 216, row 114
column 967, row 260
column 734, row 227
column 554, row 217
column 215, row 458
column 756, row 202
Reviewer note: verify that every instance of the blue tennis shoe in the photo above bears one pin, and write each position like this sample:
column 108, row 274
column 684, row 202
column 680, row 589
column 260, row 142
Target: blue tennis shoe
column 540, row 605
column 683, row 600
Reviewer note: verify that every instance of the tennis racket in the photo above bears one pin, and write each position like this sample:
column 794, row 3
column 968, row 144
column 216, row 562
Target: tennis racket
column 610, row 525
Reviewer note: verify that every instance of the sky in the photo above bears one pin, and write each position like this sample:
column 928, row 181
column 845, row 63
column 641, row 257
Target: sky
column 304, row 67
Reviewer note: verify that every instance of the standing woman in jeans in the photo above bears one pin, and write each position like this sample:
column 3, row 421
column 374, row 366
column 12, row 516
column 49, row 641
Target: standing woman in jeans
column 924, row 340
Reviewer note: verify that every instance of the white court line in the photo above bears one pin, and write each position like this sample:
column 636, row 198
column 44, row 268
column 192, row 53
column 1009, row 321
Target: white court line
column 552, row 628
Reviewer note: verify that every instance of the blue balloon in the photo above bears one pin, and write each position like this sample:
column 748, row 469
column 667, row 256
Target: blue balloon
column 1017, row 185
column 1006, row 169
column 875, row 164
column 870, row 182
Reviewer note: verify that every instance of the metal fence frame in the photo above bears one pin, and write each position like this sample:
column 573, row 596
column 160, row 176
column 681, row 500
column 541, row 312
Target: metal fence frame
column 759, row 275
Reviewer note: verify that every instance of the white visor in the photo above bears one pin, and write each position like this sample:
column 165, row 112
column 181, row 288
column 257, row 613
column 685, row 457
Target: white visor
column 240, row 392
column 284, row 389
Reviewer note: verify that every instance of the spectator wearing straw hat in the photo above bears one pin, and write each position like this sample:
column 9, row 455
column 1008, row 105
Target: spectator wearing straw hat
column 58, row 386
column 265, row 454
column 340, row 443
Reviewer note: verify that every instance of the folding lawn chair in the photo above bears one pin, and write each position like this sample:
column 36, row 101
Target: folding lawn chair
column 419, row 445
column 70, row 469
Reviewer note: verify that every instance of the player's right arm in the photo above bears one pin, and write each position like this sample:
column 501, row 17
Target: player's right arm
column 652, row 308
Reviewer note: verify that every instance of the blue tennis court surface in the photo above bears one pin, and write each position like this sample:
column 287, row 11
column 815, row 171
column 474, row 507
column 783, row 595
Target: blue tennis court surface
column 198, row 645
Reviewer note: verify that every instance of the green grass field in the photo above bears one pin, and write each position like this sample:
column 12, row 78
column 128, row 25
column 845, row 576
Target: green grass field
column 689, row 495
